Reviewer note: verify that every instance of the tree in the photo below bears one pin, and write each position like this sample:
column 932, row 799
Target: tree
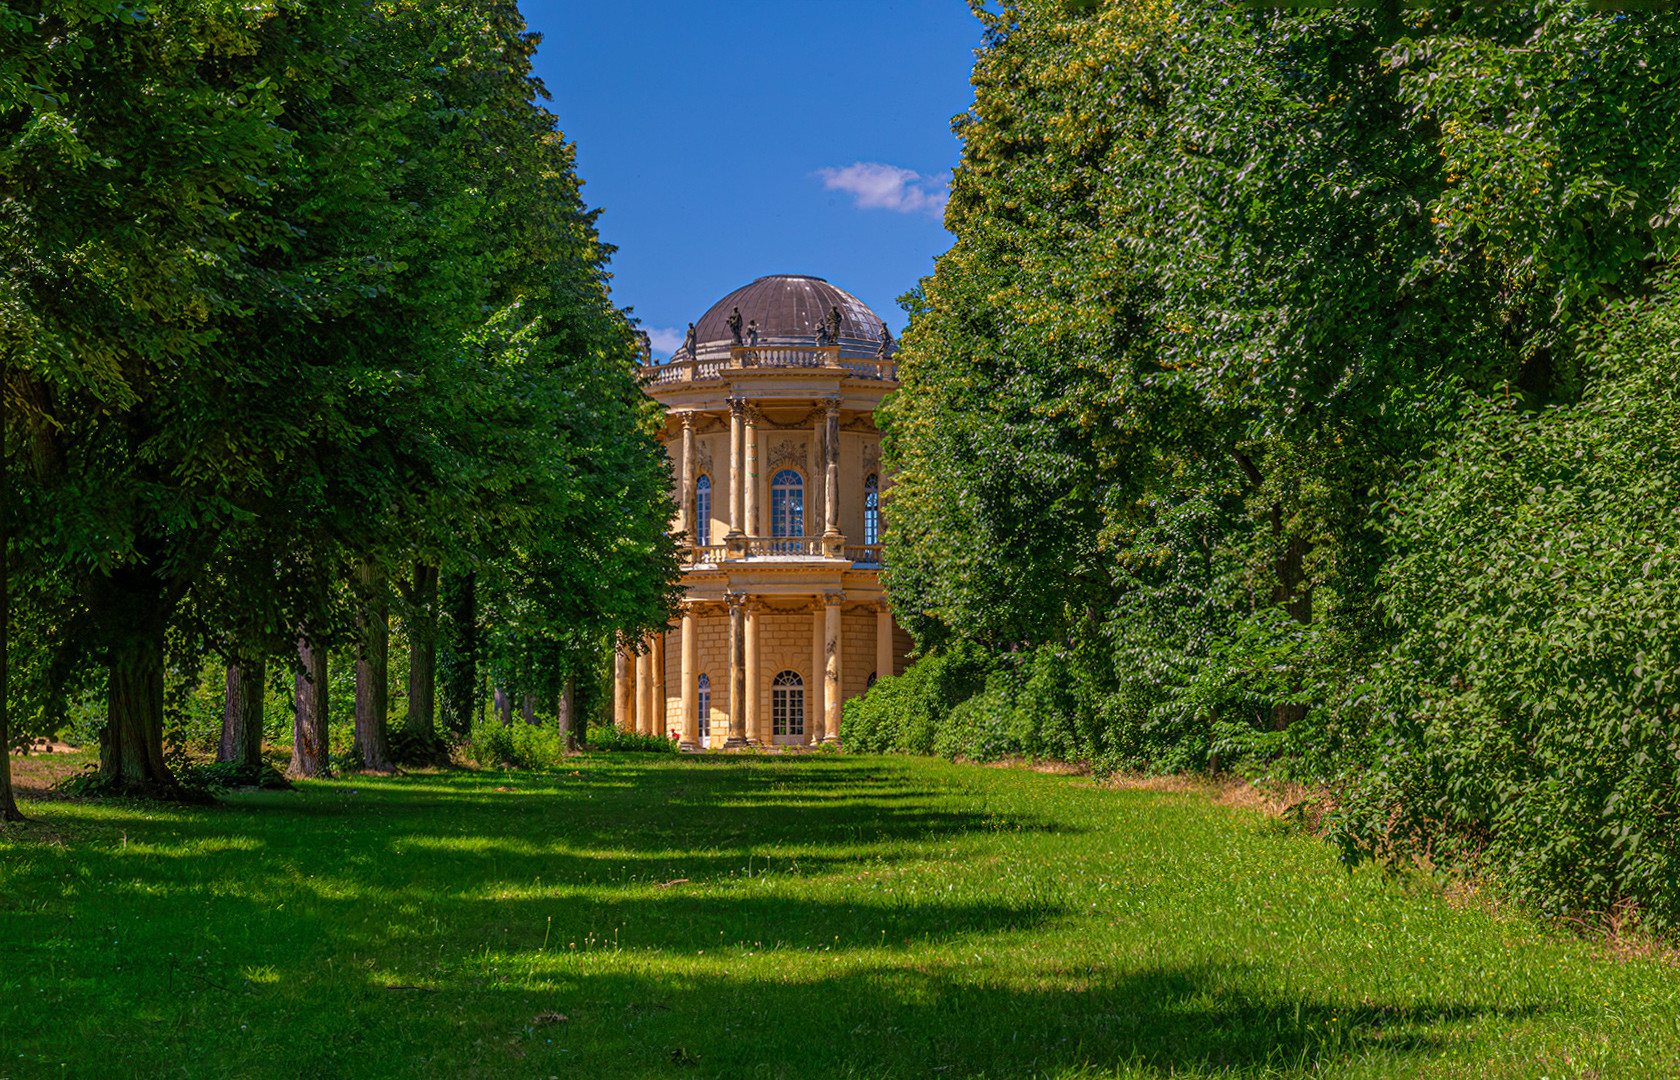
column 1236, row 271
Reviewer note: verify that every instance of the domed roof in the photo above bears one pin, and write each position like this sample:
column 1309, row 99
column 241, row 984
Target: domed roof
column 788, row 308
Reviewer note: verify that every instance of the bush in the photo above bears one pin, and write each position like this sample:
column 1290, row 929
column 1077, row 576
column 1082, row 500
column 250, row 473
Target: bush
column 612, row 738
column 516, row 746
column 1531, row 712
column 903, row 713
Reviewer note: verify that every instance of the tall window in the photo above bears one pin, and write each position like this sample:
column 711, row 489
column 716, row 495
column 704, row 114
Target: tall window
column 872, row 510
column 787, row 508
column 703, row 510
column 703, row 705
column 787, row 704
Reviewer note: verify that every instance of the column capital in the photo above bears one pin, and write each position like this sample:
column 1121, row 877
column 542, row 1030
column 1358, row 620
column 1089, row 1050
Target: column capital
column 737, row 406
column 735, row 599
column 687, row 419
column 833, row 599
column 831, row 406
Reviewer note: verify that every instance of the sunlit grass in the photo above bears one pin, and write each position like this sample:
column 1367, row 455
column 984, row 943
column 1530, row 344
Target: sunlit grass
column 819, row 917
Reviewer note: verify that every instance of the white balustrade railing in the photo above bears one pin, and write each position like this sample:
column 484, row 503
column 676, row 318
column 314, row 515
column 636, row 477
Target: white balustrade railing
column 768, row 356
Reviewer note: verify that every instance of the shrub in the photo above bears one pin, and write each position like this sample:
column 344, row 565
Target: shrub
column 903, row 713
column 1530, row 707
column 516, row 746
column 612, row 738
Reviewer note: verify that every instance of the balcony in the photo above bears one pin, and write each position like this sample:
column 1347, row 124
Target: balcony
column 690, row 370
column 786, row 549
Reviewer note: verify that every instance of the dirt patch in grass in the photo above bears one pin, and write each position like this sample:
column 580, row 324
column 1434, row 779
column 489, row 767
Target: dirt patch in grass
column 1273, row 799
column 35, row 773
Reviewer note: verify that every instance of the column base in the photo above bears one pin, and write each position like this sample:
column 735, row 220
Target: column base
column 688, row 746
column 735, row 742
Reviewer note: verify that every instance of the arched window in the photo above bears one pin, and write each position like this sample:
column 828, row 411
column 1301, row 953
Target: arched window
column 787, row 509
column 869, row 683
column 787, row 704
column 703, row 510
column 872, row 510
column 703, row 705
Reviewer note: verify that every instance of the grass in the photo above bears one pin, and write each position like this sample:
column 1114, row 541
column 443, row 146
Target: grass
column 651, row 916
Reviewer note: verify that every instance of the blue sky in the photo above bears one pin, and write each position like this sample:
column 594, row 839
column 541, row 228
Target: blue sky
column 726, row 141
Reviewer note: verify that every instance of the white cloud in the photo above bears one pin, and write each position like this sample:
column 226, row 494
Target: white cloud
column 665, row 342
column 874, row 186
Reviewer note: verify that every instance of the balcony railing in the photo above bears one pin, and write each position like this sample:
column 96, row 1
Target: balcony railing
column 863, row 554
column 794, row 547
column 804, row 547
column 770, row 356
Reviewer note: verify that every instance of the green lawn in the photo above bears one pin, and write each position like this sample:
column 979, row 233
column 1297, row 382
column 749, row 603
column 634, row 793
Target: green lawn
column 756, row 917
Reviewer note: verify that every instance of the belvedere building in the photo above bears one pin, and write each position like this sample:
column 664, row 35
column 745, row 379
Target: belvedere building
column 776, row 468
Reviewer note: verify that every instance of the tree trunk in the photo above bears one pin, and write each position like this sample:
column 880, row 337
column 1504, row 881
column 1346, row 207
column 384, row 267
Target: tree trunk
column 131, row 749
column 372, row 671
column 421, row 721
column 8, row 805
column 242, row 715
column 503, row 706
column 531, row 709
column 309, row 714
column 458, row 664
column 568, row 731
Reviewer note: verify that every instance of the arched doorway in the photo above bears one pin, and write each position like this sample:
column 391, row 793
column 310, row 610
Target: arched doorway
column 787, row 709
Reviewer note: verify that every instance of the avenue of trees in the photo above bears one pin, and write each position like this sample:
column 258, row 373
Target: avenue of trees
column 1301, row 395
column 305, row 327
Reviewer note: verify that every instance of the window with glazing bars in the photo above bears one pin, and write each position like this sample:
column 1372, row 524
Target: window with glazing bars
column 703, row 510
column 787, row 704
column 787, row 510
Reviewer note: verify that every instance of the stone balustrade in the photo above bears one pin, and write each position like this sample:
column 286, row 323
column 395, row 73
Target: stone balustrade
column 769, row 356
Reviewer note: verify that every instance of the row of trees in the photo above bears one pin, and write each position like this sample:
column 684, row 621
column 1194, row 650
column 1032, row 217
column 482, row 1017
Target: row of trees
column 304, row 320
column 1298, row 395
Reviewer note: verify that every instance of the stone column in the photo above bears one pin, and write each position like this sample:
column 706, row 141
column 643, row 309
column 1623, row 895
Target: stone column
column 685, row 521
column 644, row 690
column 831, row 485
column 737, row 673
column 754, row 527
column 814, row 688
column 814, row 488
column 883, row 641
column 736, row 478
column 831, row 666
column 660, row 725
column 624, row 686
column 755, row 718
column 690, row 675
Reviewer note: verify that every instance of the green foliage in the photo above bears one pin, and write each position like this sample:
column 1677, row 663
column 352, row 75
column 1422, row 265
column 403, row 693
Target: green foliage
column 1531, row 701
column 515, row 746
column 608, row 737
column 903, row 713
column 1217, row 434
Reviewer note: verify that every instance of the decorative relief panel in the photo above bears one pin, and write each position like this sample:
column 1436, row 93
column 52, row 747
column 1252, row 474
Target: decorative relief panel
column 703, row 458
column 787, row 454
column 871, row 458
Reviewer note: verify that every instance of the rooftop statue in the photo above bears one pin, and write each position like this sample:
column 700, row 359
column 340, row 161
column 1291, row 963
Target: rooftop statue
column 690, row 344
column 823, row 337
column 752, row 333
column 734, row 324
column 884, row 349
column 834, row 325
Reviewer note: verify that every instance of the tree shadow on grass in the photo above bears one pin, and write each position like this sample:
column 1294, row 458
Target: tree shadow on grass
column 943, row 1021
